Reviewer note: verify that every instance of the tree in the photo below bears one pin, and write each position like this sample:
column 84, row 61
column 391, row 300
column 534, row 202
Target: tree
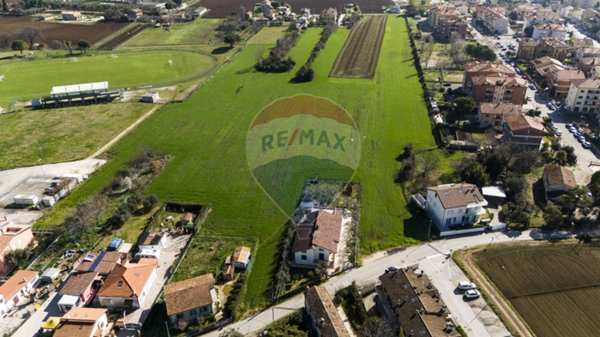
column 4, row 6
column 19, row 45
column 480, row 52
column 463, row 105
column 553, row 216
column 571, row 156
column 231, row 39
column 31, row 35
column 17, row 257
column 68, row 45
column 84, row 45
column 170, row 5
column 374, row 327
column 472, row 172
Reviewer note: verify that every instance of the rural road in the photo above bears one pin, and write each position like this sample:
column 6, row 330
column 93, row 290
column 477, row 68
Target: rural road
column 431, row 257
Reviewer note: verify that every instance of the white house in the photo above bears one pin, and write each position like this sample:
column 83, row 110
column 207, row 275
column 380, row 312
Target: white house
column 584, row 95
column 318, row 236
column 552, row 30
column 18, row 286
column 454, row 204
column 127, row 286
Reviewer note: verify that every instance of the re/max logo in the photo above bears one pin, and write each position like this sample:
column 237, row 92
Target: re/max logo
column 301, row 137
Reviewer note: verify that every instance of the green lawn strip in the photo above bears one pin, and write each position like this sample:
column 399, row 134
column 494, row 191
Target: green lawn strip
column 268, row 35
column 200, row 31
column 206, row 137
column 29, row 79
column 36, row 137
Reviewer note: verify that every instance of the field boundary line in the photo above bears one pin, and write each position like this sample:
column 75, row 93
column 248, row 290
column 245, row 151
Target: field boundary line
column 494, row 298
column 123, row 133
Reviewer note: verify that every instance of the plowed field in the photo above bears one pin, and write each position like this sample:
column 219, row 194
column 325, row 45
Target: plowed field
column 555, row 288
column 359, row 56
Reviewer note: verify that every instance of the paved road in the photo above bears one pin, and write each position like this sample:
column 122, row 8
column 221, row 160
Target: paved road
column 432, row 258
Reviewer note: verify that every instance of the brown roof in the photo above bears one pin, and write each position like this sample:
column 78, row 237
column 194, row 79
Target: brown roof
column 559, row 175
column 590, row 83
column 569, row 75
column 127, row 280
column 488, row 67
column 457, row 195
column 327, row 229
column 86, row 262
column 241, row 254
column 108, row 263
column 189, row 294
column 303, row 237
column 550, row 26
column 499, row 108
column 77, row 284
column 150, row 239
column 523, row 122
column 320, row 305
column 187, row 216
column 499, row 81
column 74, row 330
column 83, row 315
column 14, row 284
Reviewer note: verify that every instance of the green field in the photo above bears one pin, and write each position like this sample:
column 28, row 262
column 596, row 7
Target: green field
column 268, row 35
column 206, row 136
column 56, row 135
column 24, row 80
column 200, row 31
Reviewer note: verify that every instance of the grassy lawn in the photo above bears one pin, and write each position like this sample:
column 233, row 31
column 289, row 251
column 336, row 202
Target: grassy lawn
column 200, row 31
column 55, row 135
column 130, row 231
column 23, row 79
column 207, row 255
column 206, row 137
column 268, row 35
column 454, row 76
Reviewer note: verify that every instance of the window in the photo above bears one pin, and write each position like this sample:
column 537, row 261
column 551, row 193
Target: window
column 120, row 284
column 179, row 316
column 303, row 257
column 322, row 256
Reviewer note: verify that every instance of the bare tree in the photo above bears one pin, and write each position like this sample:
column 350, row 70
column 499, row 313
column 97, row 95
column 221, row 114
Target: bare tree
column 31, row 35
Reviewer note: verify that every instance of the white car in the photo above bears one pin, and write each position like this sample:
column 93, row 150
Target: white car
column 466, row 285
column 472, row 294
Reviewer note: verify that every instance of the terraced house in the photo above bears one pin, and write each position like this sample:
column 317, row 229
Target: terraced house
column 523, row 130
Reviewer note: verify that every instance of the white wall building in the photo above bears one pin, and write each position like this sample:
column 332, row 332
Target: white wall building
column 551, row 30
column 492, row 19
column 454, row 204
column 18, row 286
column 584, row 95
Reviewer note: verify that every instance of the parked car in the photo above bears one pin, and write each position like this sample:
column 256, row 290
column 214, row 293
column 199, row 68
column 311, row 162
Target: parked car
column 581, row 138
column 472, row 294
column 528, row 98
column 391, row 269
column 531, row 86
column 572, row 130
column 466, row 285
column 558, row 133
column 586, row 144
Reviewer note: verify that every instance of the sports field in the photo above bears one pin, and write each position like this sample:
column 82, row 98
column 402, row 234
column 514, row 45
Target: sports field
column 206, row 136
column 554, row 287
column 48, row 136
column 24, row 80
column 200, row 31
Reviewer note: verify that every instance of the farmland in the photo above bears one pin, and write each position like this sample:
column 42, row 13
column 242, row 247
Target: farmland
column 22, row 79
column 61, row 31
column 200, row 31
column 359, row 56
column 206, row 137
column 554, row 287
column 47, row 136
column 223, row 8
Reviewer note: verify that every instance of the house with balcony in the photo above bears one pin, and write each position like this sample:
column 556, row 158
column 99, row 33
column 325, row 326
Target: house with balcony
column 17, row 287
column 447, row 20
column 560, row 81
column 490, row 82
column 78, row 290
column 530, row 49
column 584, row 96
column 551, row 30
column 127, row 285
column 13, row 237
column 492, row 18
column 523, row 130
column 454, row 205
column 493, row 114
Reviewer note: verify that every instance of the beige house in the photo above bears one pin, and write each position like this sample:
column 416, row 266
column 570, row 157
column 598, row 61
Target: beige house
column 191, row 300
column 557, row 180
column 13, row 237
column 492, row 114
column 325, row 321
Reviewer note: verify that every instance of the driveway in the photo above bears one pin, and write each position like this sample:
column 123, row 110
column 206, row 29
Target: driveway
column 32, row 325
column 479, row 323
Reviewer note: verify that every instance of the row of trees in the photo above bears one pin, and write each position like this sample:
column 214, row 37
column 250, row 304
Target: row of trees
column 306, row 73
column 278, row 61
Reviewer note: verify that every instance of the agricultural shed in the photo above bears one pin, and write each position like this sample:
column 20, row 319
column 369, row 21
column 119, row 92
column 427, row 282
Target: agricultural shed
column 84, row 88
column 151, row 97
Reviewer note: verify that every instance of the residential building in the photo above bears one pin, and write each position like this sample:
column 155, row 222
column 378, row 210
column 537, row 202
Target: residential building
column 493, row 83
column 134, row 14
column 412, row 305
column 454, row 204
column 13, row 237
column 329, row 16
column 589, row 18
column 317, row 237
column 493, row 19
column 582, row 43
column 560, row 81
column 553, row 30
column 540, row 15
column 71, row 16
column 191, row 300
column 530, row 49
column 590, row 52
column 584, row 95
column 83, row 322
column 18, row 286
column 523, row 130
column 324, row 318
column 127, row 286
column 102, row 262
column 447, row 20
column 78, row 291
column 590, row 66
column 241, row 257
column 492, row 114
column 546, row 66
column 557, row 180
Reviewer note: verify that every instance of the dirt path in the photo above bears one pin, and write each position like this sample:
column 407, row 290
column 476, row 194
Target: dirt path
column 508, row 315
column 124, row 132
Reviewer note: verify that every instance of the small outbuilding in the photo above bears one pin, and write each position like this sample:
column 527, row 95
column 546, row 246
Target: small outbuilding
column 25, row 200
column 50, row 275
column 151, row 97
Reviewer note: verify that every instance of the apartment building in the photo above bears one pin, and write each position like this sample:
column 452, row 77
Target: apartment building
column 493, row 114
column 560, row 81
column 493, row 19
column 530, row 49
column 553, row 30
column 446, row 20
column 493, row 83
column 584, row 95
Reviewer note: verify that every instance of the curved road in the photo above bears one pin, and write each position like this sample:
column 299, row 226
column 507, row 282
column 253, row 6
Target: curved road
column 431, row 257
